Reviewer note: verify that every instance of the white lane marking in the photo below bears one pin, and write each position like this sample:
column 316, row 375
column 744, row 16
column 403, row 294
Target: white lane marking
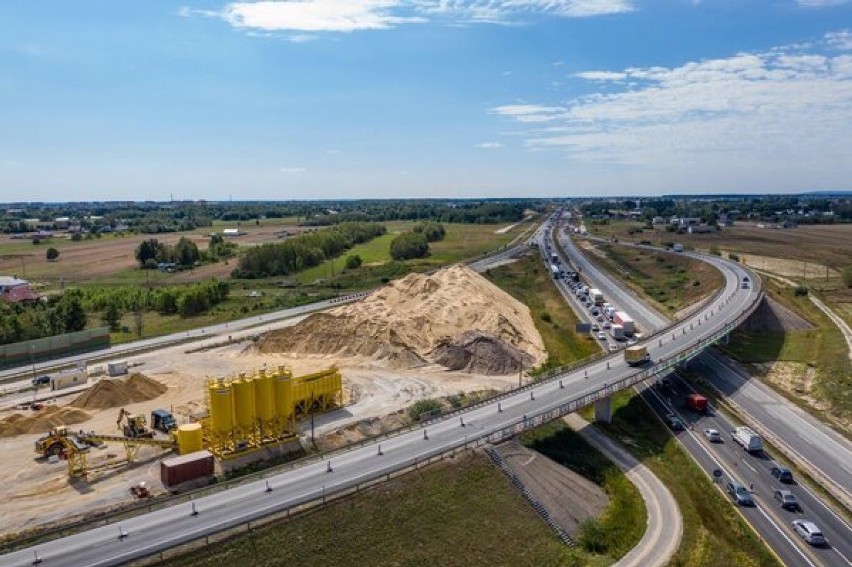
column 745, row 462
column 730, row 475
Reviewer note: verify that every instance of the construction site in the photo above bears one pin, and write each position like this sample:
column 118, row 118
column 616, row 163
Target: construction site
column 184, row 415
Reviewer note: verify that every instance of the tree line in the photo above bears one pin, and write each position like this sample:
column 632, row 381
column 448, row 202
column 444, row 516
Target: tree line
column 415, row 244
column 64, row 314
column 304, row 251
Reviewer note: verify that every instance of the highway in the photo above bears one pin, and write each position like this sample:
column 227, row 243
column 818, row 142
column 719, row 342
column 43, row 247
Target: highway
column 488, row 422
column 770, row 520
column 826, row 454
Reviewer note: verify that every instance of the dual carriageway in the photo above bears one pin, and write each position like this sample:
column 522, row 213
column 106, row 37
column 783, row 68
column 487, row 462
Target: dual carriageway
column 370, row 462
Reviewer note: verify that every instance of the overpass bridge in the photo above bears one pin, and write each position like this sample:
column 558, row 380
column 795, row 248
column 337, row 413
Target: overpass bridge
column 278, row 493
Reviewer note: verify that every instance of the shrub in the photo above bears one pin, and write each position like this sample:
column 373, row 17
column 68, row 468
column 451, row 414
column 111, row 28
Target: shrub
column 734, row 257
column 424, row 406
column 800, row 291
column 353, row 262
column 545, row 316
column 52, row 254
column 715, row 251
column 409, row 245
column 847, row 276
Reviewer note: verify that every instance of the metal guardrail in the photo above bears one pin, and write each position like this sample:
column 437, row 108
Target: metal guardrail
column 527, row 422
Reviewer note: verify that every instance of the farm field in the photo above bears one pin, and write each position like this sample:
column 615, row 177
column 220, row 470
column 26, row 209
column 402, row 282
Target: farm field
column 669, row 282
column 422, row 518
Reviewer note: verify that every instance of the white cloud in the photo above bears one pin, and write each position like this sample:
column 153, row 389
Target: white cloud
column 293, row 170
column 841, row 40
column 820, row 3
column 602, row 76
column 489, row 145
column 782, row 113
column 353, row 15
column 315, row 15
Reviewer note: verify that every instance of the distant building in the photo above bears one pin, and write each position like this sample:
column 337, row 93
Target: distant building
column 701, row 229
column 232, row 232
column 658, row 220
column 62, row 222
column 13, row 290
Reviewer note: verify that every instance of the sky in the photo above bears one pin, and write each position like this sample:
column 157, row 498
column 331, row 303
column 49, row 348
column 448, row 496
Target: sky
column 347, row 99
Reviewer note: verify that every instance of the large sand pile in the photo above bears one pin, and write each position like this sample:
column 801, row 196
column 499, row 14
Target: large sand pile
column 111, row 393
column 41, row 421
column 455, row 318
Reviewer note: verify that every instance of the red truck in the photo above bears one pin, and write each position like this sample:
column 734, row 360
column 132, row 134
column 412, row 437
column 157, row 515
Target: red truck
column 696, row 403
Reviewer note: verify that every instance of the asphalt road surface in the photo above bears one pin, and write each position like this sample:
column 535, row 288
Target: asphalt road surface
column 149, row 533
column 815, row 440
column 665, row 524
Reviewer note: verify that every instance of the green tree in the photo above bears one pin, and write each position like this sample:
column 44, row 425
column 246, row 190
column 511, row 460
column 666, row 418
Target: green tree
column 409, row 245
column 353, row 262
column 70, row 316
column 148, row 250
column 52, row 254
column 112, row 316
column 847, row 276
column 186, row 252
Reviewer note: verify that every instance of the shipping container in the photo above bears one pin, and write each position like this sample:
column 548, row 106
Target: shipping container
column 117, row 368
column 621, row 318
column 183, row 468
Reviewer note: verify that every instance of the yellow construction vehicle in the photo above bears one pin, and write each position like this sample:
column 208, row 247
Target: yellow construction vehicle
column 61, row 441
column 133, row 425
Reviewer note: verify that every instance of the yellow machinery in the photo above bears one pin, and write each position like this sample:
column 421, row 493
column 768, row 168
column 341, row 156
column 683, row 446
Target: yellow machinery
column 250, row 411
column 133, row 425
column 75, row 446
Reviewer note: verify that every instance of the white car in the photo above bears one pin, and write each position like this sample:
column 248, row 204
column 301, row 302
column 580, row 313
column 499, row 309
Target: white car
column 613, row 348
column 601, row 335
column 809, row 532
column 712, row 435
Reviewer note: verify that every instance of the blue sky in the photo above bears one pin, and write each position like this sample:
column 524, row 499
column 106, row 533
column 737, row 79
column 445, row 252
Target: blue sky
column 309, row 99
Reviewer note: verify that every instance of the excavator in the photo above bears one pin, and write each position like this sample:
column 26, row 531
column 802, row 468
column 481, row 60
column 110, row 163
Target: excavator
column 133, row 425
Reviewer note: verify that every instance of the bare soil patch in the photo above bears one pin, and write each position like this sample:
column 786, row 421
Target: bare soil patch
column 41, row 421
column 569, row 498
column 112, row 392
column 772, row 316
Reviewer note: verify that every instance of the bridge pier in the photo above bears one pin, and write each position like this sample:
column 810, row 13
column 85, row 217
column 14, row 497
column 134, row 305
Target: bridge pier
column 603, row 410
column 726, row 340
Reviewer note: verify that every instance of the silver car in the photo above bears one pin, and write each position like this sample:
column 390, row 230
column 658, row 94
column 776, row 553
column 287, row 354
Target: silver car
column 712, row 435
column 809, row 532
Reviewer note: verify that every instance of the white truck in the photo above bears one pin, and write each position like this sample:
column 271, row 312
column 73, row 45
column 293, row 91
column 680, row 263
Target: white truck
column 596, row 295
column 617, row 332
column 747, row 439
column 677, row 247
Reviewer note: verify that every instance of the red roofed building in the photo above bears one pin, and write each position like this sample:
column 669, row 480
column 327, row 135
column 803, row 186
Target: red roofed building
column 13, row 290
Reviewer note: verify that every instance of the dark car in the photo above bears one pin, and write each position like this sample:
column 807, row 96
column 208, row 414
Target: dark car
column 674, row 422
column 787, row 500
column 41, row 381
column 740, row 494
column 782, row 474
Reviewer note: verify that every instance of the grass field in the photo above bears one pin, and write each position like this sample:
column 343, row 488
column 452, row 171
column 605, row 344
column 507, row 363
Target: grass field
column 377, row 251
column 822, row 349
column 460, row 512
column 527, row 281
column 714, row 533
column 668, row 281
column 817, row 244
column 622, row 524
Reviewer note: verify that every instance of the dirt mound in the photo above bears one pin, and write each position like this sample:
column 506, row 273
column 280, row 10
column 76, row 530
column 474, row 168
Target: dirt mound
column 41, row 421
column 480, row 353
column 772, row 316
column 111, row 393
column 405, row 322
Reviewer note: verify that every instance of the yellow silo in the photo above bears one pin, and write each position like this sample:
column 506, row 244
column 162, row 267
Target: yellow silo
column 264, row 402
column 221, row 408
column 244, row 412
column 189, row 438
column 283, row 388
